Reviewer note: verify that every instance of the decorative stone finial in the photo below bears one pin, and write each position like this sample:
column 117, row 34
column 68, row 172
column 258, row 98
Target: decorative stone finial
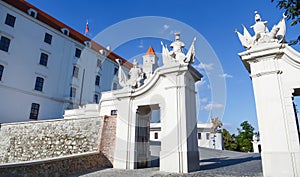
column 257, row 16
column 177, row 55
column 135, row 63
column 177, row 36
column 262, row 33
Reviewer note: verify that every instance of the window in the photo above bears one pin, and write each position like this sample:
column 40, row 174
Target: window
column 97, row 81
column 156, row 135
column 39, row 82
column 4, row 43
column 1, row 71
column 77, row 53
column 43, row 59
column 113, row 112
column 10, row 20
column 34, row 113
column 102, row 52
column 48, row 38
column 207, row 136
column 88, row 44
column 65, row 31
column 96, row 98
column 116, row 70
column 199, row 136
column 99, row 63
column 32, row 12
column 72, row 92
column 75, row 71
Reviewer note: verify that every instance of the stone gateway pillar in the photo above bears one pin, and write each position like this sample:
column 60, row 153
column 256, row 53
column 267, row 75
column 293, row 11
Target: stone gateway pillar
column 274, row 68
column 171, row 89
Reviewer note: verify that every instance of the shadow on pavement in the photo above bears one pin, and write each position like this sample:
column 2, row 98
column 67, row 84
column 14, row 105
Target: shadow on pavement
column 87, row 172
column 225, row 161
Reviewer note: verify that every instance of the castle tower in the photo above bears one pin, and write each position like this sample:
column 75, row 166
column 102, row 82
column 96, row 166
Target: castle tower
column 150, row 62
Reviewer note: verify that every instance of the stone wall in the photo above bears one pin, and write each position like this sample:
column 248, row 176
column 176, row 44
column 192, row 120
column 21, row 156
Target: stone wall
column 47, row 139
column 62, row 166
column 57, row 147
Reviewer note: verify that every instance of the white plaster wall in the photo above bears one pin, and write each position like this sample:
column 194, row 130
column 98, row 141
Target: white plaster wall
column 174, row 94
column 203, row 142
column 22, row 67
column 275, row 70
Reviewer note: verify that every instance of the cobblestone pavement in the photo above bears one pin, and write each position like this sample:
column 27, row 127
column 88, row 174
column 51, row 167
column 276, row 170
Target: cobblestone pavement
column 214, row 163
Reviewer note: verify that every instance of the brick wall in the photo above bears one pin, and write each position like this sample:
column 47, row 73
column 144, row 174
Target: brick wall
column 108, row 137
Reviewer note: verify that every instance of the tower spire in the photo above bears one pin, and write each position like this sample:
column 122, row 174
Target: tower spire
column 150, row 51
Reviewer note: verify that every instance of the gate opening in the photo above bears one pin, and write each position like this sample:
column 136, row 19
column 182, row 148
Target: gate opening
column 296, row 104
column 147, row 154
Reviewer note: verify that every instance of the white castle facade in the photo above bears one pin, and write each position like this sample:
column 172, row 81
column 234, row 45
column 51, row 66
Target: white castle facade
column 205, row 137
column 47, row 67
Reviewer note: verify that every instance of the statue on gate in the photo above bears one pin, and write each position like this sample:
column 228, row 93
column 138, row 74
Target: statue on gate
column 177, row 55
column 137, row 77
column 135, row 73
column 216, row 123
column 262, row 33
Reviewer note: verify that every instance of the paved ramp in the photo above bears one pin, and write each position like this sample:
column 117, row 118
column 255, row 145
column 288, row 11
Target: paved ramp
column 213, row 163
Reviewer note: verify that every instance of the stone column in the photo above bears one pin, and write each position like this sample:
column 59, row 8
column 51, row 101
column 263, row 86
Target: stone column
column 273, row 80
column 179, row 146
column 172, row 87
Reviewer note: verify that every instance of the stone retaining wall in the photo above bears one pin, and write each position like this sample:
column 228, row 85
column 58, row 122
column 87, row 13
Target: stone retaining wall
column 57, row 167
column 47, row 139
column 62, row 146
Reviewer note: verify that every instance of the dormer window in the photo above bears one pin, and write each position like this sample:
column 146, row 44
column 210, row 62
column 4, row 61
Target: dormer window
column 65, row 31
column 88, row 44
column 32, row 12
column 102, row 52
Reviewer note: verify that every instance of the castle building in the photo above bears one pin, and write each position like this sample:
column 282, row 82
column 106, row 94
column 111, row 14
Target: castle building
column 46, row 66
column 205, row 137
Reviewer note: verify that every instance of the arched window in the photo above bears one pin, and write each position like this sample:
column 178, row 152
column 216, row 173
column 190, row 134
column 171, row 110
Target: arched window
column 34, row 112
column 73, row 92
column 75, row 71
column 39, row 83
column 96, row 98
column 43, row 59
column 97, row 81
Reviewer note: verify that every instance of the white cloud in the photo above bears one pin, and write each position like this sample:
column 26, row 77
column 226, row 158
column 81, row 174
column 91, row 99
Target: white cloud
column 141, row 45
column 165, row 27
column 203, row 100
column 200, row 83
column 210, row 106
column 172, row 32
column 225, row 75
column 204, row 66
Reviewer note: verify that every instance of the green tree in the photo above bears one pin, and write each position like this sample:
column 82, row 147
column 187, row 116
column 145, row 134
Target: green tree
column 229, row 140
column 292, row 11
column 244, row 137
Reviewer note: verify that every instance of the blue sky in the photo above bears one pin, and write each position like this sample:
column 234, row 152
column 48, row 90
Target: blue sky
column 215, row 21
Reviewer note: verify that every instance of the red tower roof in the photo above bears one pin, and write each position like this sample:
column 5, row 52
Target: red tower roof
column 150, row 51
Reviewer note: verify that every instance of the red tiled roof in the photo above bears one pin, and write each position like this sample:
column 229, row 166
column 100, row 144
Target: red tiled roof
column 56, row 24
